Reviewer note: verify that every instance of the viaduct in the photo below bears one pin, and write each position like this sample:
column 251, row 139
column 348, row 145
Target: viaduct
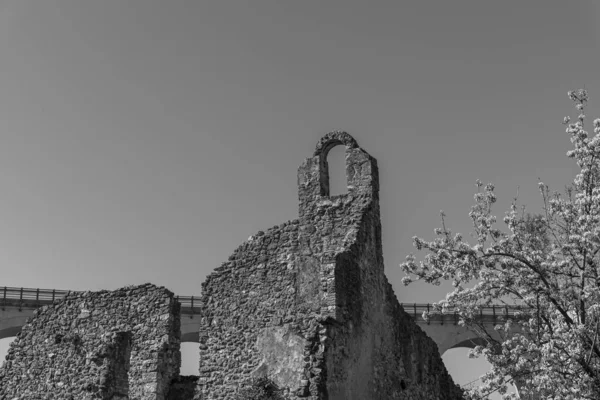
column 18, row 304
column 306, row 303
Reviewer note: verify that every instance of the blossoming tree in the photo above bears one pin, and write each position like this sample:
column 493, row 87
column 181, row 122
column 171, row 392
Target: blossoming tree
column 547, row 265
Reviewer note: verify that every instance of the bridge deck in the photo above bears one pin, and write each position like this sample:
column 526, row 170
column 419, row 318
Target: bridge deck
column 33, row 298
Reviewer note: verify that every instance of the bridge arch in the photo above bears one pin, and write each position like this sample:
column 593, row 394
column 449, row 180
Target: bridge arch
column 446, row 332
column 451, row 336
column 12, row 320
column 469, row 343
column 10, row 332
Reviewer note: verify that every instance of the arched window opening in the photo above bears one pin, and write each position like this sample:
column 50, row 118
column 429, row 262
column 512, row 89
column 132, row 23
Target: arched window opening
column 336, row 160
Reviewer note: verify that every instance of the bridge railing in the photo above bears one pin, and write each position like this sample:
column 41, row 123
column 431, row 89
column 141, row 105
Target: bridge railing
column 28, row 297
column 32, row 297
column 189, row 304
column 492, row 314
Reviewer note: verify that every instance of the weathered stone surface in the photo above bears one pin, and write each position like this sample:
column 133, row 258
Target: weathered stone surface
column 307, row 302
column 114, row 345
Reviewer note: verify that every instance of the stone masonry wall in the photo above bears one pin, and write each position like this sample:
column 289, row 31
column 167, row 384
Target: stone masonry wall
column 307, row 302
column 244, row 300
column 122, row 344
column 376, row 351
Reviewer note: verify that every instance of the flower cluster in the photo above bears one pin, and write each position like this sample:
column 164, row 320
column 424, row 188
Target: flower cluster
column 548, row 265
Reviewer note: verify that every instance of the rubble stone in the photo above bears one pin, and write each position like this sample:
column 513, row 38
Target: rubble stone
column 121, row 344
column 307, row 303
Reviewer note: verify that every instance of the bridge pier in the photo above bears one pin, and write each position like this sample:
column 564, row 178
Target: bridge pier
column 447, row 334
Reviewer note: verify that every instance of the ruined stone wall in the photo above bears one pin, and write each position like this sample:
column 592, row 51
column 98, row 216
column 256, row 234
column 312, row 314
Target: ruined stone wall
column 121, row 344
column 264, row 307
column 376, row 351
column 307, row 303
column 425, row 375
column 243, row 299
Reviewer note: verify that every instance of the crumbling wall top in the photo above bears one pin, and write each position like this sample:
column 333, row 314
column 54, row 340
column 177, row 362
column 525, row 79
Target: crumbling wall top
column 362, row 176
column 102, row 344
column 333, row 139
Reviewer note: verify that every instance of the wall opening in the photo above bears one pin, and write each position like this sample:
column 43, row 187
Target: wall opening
column 4, row 343
column 336, row 160
column 190, row 358
column 121, row 365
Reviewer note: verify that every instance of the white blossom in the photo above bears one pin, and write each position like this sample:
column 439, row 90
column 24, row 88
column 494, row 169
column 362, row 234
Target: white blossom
column 549, row 264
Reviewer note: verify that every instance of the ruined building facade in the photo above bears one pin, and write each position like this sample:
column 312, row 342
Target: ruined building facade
column 109, row 345
column 305, row 303
column 308, row 304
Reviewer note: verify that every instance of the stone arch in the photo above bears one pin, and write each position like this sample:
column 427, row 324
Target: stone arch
column 333, row 139
column 451, row 336
column 362, row 174
column 463, row 338
column 324, row 146
column 469, row 343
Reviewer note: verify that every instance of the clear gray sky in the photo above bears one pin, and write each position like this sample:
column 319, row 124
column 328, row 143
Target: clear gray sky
column 144, row 140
